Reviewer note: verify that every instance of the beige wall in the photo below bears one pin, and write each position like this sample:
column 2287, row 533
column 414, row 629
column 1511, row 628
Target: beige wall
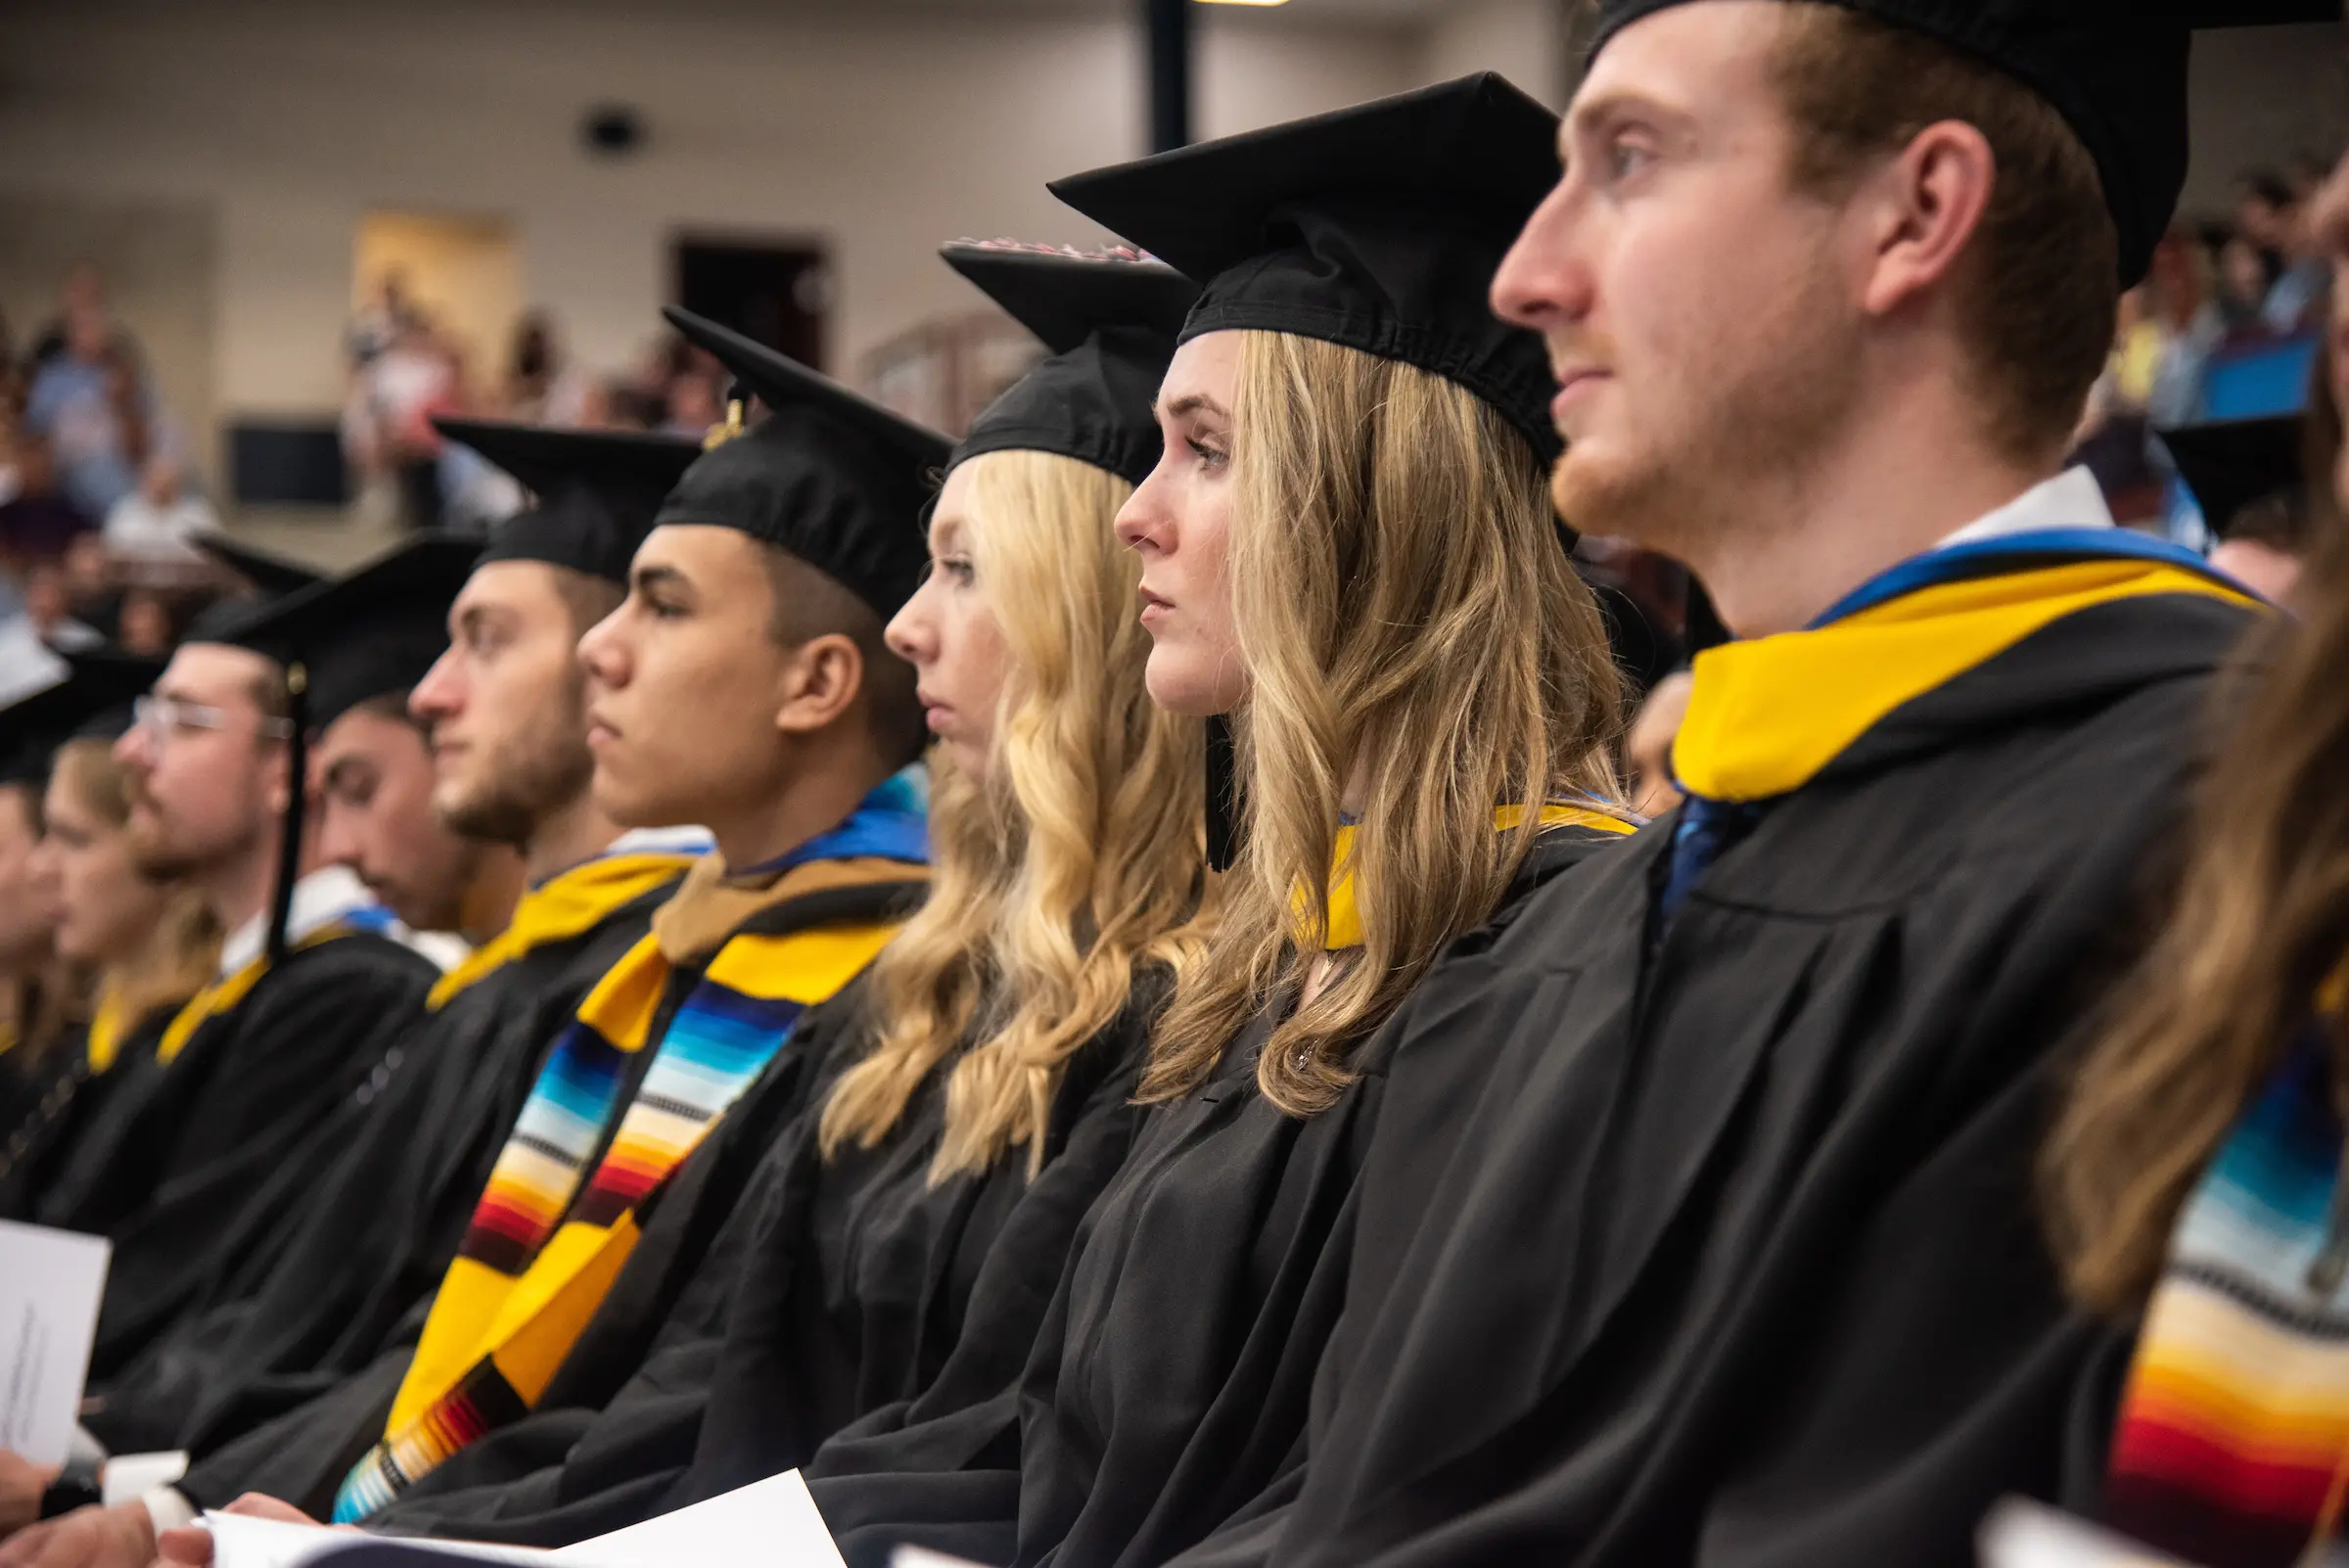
column 883, row 135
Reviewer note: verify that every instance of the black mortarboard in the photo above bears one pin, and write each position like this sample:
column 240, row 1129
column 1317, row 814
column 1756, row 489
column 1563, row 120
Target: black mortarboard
column 268, row 572
column 1379, row 227
column 2229, row 464
column 271, row 574
column 93, row 699
column 372, row 632
column 1111, row 323
column 2117, row 74
column 830, row 477
column 595, row 491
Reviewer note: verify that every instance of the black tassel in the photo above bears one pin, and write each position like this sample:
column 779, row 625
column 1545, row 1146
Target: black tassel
column 289, row 847
column 1222, row 795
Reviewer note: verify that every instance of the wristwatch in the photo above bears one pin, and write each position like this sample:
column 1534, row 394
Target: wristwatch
column 77, row 1487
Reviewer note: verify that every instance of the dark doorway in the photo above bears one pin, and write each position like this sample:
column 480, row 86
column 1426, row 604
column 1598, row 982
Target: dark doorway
column 778, row 295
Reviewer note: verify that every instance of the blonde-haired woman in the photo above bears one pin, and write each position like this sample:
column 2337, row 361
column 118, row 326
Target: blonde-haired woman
column 980, row 1080
column 1348, row 549
column 145, row 948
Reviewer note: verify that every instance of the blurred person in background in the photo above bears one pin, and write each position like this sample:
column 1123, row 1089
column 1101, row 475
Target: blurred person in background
column 38, row 519
column 49, row 606
column 144, row 948
column 156, row 521
column 2274, row 215
column 2244, row 279
column 145, row 624
column 93, row 404
column 542, row 387
column 82, row 294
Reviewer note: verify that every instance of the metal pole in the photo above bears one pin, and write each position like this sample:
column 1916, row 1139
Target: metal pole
column 1169, row 27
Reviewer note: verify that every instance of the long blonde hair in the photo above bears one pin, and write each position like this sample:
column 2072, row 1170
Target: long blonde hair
column 180, row 956
column 1411, row 622
column 1078, row 855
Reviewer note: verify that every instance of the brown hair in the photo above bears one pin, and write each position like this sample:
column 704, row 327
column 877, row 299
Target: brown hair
column 588, row 597
column 2260, row 921
column 2039, row 289
column 1407, row 614
column 812, row 602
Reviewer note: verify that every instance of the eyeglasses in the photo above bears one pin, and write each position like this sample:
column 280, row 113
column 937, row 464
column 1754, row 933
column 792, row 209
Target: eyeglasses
column 165, row 716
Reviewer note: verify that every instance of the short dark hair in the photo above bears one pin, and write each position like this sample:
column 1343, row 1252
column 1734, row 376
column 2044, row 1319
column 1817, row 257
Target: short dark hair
column 390, row 704
column 810, row 603
column 2040, row 286
column 588, row 598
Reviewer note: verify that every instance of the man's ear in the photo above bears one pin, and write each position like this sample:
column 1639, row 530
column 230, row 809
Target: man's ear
column 1926, row 205
column 821, row 681
column 275, row 779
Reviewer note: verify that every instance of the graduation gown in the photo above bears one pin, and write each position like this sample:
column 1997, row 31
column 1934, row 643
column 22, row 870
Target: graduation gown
column 1170, row 1376
column 303, row 1456
column 372, row 1235
column 177, row 1168
column 62, row 1099
column 840, row 1294
column 1722, row 1253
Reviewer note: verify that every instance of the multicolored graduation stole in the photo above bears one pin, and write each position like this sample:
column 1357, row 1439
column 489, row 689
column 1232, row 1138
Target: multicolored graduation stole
column 2232, row 1441
column 549, row 1237
column 1768, row 714
column 1345, row 910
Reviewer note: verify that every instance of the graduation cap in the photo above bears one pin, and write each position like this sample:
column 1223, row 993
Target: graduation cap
column 269, row 573
column 93, row 700
column 595, row 491
column 272, row 577
column 342, row 641
column 369, row 633
column 1110, row 323
column 2117, row 74
column 1379, row 227
column 831, row 477
column 2231, row 464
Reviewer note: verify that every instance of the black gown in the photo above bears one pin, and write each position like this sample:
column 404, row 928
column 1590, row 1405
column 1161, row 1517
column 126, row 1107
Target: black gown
column 62, row 1099
column 303, row 1455
column 839, row 1295
column 1168, row 1381
column 366, row 1238
column 177, row 1166
column 1725, row 1256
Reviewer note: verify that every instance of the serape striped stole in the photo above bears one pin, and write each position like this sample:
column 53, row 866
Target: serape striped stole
column 2233, row 1440
column 550, row 1235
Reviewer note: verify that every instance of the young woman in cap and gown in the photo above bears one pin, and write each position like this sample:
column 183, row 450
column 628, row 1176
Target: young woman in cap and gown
column 1348, row 556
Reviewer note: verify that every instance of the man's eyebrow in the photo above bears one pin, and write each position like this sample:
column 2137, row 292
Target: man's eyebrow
column 1612, row 105
column 659, row 576
column 339, row 771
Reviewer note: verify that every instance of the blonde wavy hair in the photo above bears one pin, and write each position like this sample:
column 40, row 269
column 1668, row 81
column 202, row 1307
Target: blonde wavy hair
column 182, row 954
column 1079, row 856
column 1411, row 626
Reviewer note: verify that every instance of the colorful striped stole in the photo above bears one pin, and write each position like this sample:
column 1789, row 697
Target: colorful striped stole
column 549, row 1235
column 2232, row 1441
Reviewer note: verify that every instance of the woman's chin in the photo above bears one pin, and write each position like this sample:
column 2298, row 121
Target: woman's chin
column 1178, row 686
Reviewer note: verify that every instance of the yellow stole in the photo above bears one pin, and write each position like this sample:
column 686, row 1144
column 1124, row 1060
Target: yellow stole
column 1765, row 715
column 1345, row 907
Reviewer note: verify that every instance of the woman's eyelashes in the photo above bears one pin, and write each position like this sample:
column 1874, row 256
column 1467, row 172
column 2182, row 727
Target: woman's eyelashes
column 1206, row 450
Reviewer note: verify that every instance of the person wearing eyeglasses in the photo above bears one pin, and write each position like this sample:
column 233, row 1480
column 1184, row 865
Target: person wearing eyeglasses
column 309, row 993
